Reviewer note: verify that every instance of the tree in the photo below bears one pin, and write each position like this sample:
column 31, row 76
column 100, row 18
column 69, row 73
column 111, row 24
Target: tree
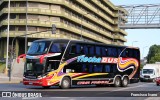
column 154, row 54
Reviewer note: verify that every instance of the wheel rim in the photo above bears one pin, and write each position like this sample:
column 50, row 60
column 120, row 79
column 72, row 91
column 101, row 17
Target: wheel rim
column 65, row 83
column 117, row 82
column 125, row 81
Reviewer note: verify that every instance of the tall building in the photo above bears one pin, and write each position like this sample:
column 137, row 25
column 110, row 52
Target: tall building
column 90, row 20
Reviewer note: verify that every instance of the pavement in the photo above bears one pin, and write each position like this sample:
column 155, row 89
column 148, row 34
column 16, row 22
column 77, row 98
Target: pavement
column 5, row 79
column 83, row 92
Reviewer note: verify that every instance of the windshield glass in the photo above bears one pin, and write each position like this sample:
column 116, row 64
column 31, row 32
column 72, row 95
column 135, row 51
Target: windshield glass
column 34, row 68
column 147, row 71
column 39, row 47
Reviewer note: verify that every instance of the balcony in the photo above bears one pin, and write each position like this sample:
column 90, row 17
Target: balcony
column 95, row 10
column 105, row 8
column 110, row 4
column 120, row 38
column 48, row 24
column 53, row 12
column 121, row 31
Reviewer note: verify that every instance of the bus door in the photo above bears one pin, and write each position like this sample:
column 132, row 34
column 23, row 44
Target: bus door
column 52, row 63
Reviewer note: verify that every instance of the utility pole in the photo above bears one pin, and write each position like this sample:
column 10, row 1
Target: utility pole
column 7, row 51
column 26, row 27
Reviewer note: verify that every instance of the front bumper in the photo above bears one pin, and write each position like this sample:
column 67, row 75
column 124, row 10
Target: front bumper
column 147, row 79
column 36, row 82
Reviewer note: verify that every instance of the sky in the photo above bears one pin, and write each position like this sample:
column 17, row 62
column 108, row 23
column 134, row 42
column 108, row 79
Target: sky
column 144, row 37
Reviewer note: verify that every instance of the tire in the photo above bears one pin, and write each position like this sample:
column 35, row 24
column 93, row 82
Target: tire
column 125, row 82
column 153, row 80
column 157, row 84
column 141, row 80
column 46, row 87
column 66, row 83
column 117, row 82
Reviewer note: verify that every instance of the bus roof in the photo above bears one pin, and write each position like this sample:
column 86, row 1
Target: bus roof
column 80, row 41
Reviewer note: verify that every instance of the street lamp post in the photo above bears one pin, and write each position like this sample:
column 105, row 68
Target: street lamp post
column 134, row 42
column 26, row 27
column 7, row 58
column 81, row 24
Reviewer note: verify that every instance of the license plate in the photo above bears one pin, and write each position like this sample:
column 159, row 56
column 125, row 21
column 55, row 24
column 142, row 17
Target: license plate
column 147, row 78
column 30, row 83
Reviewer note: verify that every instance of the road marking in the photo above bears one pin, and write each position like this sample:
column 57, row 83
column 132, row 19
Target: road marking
column 132, row 87
column 124, row 88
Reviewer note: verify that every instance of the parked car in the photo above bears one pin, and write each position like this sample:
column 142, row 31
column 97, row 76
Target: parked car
column 158, row 81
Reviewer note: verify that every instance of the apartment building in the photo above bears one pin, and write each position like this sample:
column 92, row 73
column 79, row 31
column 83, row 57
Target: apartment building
column 90, row 20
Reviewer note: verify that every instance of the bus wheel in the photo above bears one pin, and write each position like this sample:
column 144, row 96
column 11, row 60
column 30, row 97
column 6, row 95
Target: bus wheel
column 66, row 83
column 46, row 87
column 125, row 81
column 117, row 82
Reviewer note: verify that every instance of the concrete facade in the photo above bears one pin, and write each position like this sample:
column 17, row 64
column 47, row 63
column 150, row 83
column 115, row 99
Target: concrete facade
column 93, row 20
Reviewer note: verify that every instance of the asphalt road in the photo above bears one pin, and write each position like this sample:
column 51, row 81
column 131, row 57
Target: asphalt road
column 137, row 91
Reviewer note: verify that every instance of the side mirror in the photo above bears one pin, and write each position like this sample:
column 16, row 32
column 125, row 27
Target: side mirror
column 21, row 56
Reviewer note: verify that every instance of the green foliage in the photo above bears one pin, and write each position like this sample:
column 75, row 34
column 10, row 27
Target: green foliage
column 154, row 54
column 141, row 66
column 2, row 67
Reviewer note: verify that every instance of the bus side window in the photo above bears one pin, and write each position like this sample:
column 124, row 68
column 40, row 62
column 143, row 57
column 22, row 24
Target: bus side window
column 55, row 48
column 119, row 51
column 90, row 68
column 98, row 50
column 125, row 53
column 130, row 53
column 98, row 68
column 104, row 51
column 114, row 68
column 91, row 49
column 84, row 68
column 78, row 49
column 73, row 49
column 136, row 54
column 85, row 50
column 63, row 47
column 72, row 68
column 107, row 68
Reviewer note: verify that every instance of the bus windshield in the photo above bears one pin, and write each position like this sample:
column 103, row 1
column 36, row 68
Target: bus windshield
column 34, row 68
column 147, row 71
column 39, row 47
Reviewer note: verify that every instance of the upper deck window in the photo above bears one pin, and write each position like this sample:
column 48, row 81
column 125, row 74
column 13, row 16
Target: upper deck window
column 40, row 47
column 57, row 47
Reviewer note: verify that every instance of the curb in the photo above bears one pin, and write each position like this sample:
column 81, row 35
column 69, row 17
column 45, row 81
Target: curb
column 11, row 82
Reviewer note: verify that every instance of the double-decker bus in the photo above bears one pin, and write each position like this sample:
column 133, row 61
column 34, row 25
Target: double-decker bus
column 62, row 62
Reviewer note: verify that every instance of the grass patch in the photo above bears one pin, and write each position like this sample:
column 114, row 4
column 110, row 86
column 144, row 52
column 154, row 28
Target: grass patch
column 2, row 67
